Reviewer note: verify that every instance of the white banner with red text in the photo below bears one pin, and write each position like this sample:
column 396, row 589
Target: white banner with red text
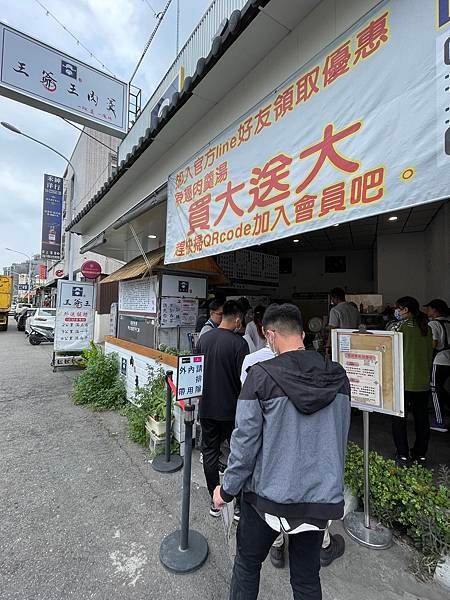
column 362, row 129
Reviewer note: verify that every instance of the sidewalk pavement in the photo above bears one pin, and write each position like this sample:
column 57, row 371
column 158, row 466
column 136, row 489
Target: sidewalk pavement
column 82, row 513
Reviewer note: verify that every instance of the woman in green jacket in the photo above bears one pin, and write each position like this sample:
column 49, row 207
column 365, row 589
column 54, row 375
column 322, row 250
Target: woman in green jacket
column 417, row 362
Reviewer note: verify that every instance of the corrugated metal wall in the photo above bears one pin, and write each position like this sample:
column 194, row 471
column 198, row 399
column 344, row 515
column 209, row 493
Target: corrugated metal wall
column 198, row 45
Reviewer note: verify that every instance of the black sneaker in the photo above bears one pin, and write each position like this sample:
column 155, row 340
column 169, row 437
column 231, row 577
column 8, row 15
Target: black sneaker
column 277, row 556
column 402, row 461
column 213, row 511
column 334, row 550
column 237, row 513
column 419, row 460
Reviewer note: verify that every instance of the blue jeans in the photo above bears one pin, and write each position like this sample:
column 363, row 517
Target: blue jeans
column 254, row 538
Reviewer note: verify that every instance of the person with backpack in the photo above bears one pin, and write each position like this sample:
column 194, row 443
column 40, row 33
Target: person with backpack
column 439, row 315
column 417, row 361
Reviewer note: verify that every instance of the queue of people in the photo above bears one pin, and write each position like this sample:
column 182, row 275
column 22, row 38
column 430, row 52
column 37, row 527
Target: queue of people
column 265, row 394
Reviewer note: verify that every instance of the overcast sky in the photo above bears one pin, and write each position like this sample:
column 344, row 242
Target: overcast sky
column 115, row 31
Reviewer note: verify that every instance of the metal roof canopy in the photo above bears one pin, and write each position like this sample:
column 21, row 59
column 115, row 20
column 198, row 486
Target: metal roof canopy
column 264, row 32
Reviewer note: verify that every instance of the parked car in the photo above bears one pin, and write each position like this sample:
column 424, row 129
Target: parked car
column 23, row 316
column 44, row 318
column 19, row 308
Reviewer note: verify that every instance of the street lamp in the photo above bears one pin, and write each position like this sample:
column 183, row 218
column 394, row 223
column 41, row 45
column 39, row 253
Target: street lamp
column 29, row 268
column 69, row 237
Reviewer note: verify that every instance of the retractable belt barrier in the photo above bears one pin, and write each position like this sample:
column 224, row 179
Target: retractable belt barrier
column 167, row 462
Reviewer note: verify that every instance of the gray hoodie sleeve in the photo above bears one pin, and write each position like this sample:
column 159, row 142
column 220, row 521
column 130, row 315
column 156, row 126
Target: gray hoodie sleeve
column 245, row 441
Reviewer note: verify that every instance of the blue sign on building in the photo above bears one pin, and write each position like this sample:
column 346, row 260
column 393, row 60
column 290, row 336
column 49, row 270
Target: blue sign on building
column 52, row 217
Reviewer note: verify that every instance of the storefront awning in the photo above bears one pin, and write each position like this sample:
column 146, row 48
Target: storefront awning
column 139, row 267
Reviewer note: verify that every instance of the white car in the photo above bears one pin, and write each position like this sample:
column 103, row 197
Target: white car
column 43, row 317
column 19, row 308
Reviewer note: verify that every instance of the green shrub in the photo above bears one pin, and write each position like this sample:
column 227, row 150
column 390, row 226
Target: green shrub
column 407, row 498
column 100, row 385
column 149, row 400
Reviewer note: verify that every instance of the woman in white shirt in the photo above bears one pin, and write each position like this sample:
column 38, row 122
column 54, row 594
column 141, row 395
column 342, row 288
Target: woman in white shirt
column 254, row 331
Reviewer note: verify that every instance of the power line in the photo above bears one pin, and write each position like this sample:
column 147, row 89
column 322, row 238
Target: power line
column 79, row 43
column 89, row 135
column 160, row 18
column 151, row 8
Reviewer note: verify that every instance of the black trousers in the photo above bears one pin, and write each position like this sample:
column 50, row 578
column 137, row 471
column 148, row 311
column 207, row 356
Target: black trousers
column 417, row 403
column 254, row 538
column 440, row 396
column 213, row 434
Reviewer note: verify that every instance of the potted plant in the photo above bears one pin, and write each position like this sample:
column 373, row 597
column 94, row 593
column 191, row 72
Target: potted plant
column 151, row 400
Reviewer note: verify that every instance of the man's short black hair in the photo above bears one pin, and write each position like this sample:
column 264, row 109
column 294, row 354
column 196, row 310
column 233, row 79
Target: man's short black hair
column 285, row 318
column 214, row 305
column 338, row 293
column 231, row 308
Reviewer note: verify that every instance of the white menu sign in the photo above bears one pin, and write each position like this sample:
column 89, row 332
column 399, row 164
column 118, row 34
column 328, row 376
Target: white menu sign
column 178, row 312
column 74, row 325
column 138, row 295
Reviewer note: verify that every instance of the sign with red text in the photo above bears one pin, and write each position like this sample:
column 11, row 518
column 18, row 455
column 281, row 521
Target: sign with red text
column 362, row 129
column 74, row 325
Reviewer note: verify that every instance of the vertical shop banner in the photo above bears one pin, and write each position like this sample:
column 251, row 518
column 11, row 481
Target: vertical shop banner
column 74, row 327
column 52, row 217
column 362, row 129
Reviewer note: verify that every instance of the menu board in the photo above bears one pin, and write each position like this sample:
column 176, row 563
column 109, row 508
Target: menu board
column 248, row 266
column 138, row 295
column 179, row 312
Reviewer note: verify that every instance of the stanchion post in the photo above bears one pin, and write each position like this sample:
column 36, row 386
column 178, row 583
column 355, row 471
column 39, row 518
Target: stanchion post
column 185, row 550
column 360, row 526
column 167, row 463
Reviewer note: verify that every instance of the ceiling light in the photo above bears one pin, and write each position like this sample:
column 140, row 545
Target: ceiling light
column 296, row 241
column 152, row 236
column 394, row 218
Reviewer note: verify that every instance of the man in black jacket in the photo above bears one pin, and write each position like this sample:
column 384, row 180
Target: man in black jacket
column 287, row 457
column 224, row 352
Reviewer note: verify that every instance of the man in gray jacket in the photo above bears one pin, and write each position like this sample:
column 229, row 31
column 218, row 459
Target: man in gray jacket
column 287, row 457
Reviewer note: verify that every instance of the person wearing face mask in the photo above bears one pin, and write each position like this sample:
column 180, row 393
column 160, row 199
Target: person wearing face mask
column 224, row 352
column 417, row 361
column 287, row 456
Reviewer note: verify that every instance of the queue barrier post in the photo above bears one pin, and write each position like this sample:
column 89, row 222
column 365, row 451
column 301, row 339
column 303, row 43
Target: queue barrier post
column 185, row 550
column 167, row 462
column 361, row 527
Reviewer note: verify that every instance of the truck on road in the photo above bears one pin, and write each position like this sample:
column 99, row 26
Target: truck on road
column 6, row 291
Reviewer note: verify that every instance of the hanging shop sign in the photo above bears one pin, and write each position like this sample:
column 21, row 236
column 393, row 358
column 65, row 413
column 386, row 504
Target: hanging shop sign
column 41, row 76
column 91, row 269
column 138, row 296
column 74, row 325
column 52, row 217
column 362, row 129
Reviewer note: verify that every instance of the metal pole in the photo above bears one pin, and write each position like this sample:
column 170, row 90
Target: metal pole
column 366, row 470
column 168, row 414
column 185, row 506
column 167, row 462
column 29, row 279
column 178, row 28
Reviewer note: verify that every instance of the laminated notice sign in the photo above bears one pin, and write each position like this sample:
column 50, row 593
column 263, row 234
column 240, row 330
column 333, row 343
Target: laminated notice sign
column 373, row 361
column 364, row 372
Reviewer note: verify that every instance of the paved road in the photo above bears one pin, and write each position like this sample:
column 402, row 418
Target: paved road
column 82, row 513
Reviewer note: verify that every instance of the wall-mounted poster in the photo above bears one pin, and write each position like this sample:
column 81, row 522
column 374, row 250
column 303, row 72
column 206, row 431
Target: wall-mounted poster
column 138, row 295
column 178, row 312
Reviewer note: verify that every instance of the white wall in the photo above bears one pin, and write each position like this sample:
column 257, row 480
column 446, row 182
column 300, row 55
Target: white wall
column 322, row 25
column 437, row 242
column 401, row 266
column 308, row 273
